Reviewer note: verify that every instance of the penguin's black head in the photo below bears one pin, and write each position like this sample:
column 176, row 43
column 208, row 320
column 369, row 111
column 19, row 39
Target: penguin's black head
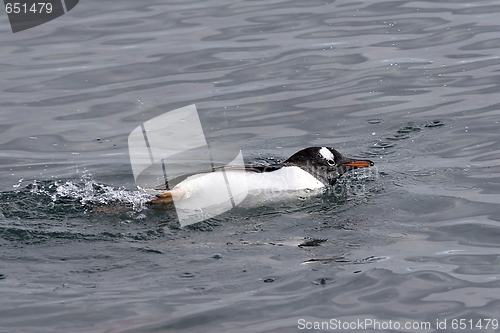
column 325, row 163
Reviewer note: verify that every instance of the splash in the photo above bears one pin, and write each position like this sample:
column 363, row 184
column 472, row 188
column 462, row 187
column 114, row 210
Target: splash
column 87, row 191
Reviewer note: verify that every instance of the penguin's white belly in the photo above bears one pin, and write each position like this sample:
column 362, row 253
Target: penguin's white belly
column 215, row 188
column 284, row 179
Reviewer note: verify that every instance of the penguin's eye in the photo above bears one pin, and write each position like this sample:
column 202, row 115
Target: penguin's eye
column 330, row 162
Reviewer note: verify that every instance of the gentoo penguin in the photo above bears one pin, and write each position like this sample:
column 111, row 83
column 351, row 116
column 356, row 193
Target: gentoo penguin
column 311, row 168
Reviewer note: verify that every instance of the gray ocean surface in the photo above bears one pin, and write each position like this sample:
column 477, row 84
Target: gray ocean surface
column 412, row 85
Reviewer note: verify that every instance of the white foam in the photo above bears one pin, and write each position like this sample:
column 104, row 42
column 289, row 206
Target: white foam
column 89, row 191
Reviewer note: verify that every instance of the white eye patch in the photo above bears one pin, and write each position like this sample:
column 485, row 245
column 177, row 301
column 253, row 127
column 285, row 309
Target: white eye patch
column 327, row 154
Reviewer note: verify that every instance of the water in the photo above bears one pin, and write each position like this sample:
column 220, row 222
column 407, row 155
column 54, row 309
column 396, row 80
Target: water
column 412, row 86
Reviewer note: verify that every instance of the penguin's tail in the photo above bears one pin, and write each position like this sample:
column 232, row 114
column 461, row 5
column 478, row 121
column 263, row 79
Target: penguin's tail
column 168, row 197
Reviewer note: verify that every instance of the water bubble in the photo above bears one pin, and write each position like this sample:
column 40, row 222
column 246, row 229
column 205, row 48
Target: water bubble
column 187, row 275
column 18, row 183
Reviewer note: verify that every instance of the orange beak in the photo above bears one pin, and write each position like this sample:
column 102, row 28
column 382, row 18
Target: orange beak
column 360, row 164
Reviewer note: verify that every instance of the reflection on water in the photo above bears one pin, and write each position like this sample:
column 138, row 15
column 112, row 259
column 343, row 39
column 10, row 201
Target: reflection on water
column 410, row 85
